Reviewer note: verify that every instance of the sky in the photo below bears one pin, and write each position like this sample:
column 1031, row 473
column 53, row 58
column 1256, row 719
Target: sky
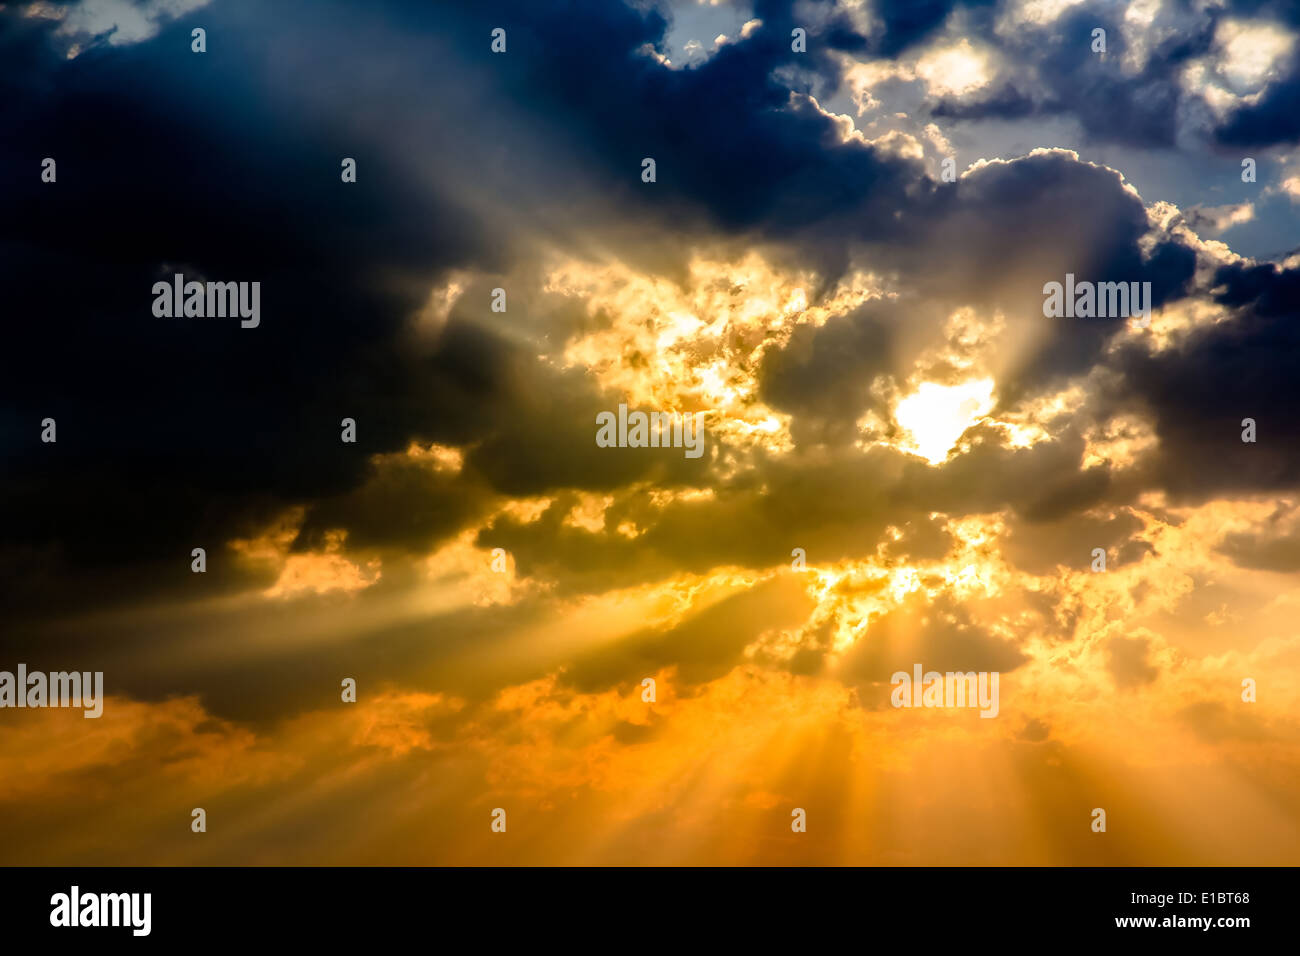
column 474, row 633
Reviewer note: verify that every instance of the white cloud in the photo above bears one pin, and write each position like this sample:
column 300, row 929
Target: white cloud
column 1217, row 219
column 121, row 21
column 1250, row 53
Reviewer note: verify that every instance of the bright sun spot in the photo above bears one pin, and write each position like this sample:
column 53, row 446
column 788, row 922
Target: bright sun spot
column 1250, row 52
column 954, row 70
column 935, row 416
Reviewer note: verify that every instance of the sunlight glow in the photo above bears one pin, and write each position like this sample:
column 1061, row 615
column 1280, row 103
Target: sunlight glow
column 935, row 416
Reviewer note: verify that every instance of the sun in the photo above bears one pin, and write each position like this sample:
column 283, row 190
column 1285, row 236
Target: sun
column 955, row 70
column 935, row 416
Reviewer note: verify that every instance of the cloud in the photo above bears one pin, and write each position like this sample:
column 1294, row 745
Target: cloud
column 881, row 393
column 1127, row 661
column 1214, row 220
column 115, row 22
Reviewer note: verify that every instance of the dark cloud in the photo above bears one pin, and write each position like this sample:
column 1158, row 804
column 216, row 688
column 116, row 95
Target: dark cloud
column 908, row 22
column 940, row 634
column 175, row 162
column 1042, row 547
column 1273, row 120
column 172, row 432
column 924, row 539
column 177, row 433
column 1035, row 731
column 1216, row 722
column 1200, row 392
column 1263, row 552
column 1127, row 661
column 704, row 647
column 823, row 376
